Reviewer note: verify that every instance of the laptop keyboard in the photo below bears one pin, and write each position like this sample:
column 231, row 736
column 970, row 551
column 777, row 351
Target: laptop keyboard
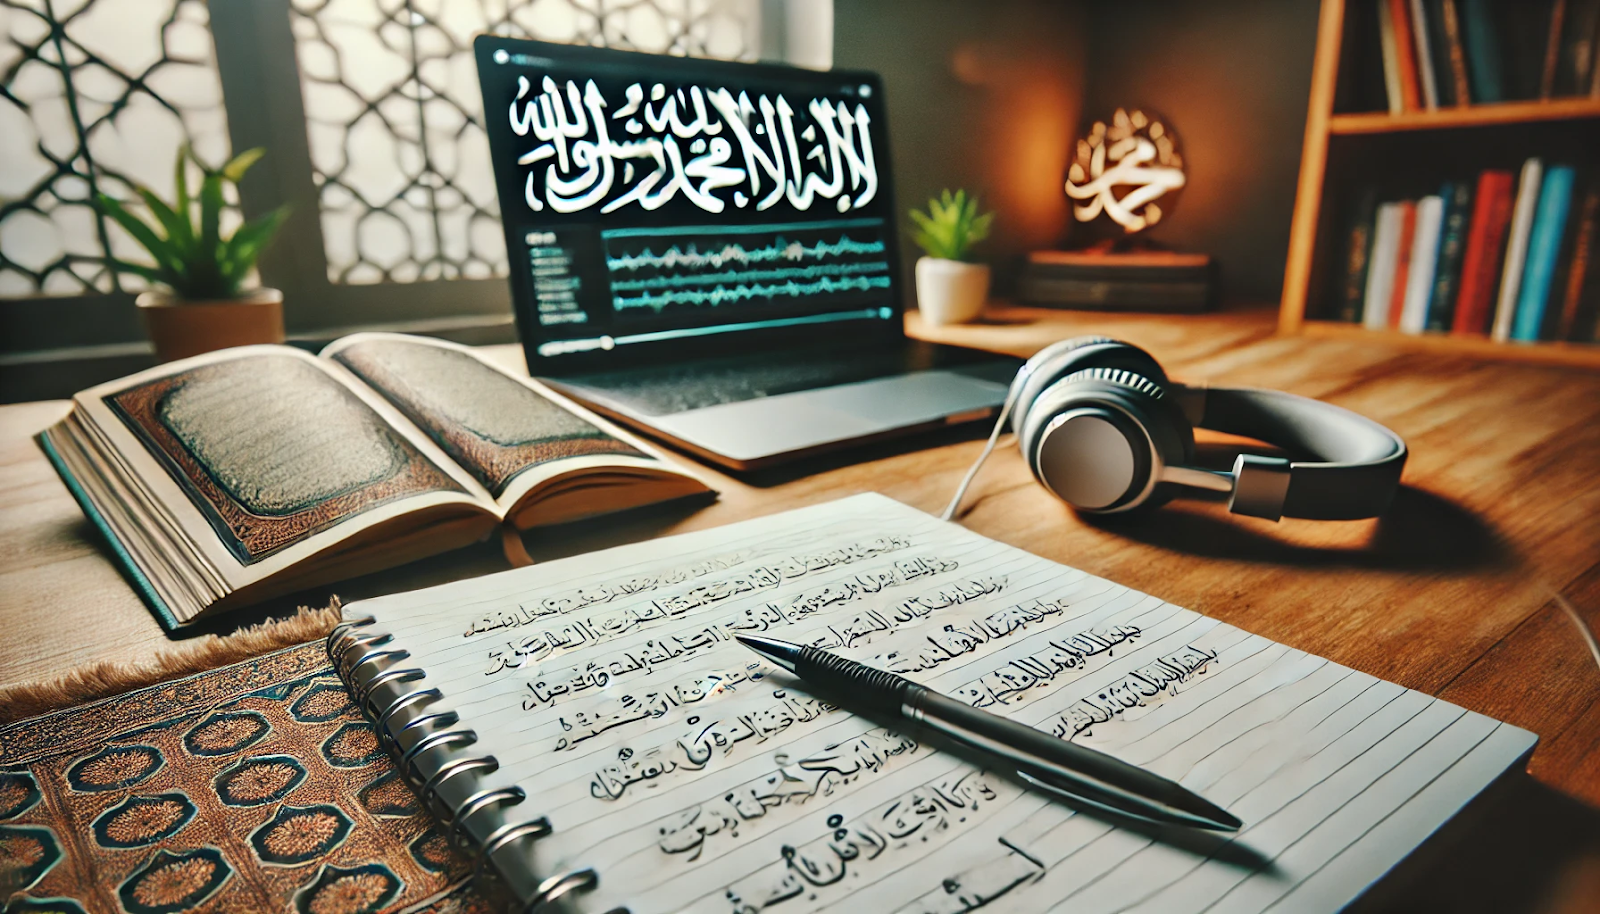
column 666, row 389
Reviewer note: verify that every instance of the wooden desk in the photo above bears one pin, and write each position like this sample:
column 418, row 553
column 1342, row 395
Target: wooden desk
column 1450, row 593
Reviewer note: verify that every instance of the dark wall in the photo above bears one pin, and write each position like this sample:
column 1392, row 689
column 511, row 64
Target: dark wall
column 982, row 95
column 1232, row 78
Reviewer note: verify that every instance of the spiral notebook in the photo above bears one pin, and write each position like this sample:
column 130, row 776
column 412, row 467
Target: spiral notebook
column 590, row 731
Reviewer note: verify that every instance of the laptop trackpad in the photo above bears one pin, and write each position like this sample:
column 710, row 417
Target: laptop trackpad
column 753, row 429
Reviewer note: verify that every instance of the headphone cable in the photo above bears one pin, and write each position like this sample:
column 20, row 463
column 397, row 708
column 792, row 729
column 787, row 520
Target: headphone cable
column 988, row 448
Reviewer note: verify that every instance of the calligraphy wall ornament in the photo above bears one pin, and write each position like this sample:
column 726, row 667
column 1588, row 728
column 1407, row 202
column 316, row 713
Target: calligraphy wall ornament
column 1129, row 170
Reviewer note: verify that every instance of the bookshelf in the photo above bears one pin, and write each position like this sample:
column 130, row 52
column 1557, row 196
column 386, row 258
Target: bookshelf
column 1345, row 148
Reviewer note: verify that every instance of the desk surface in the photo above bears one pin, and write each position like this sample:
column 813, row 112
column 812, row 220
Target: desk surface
column 1451, row 593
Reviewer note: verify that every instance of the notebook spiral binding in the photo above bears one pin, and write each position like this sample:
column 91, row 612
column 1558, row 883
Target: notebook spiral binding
column 429, row 746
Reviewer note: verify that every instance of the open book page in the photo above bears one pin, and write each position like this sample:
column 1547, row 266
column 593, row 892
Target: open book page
column 693, row 777
column 260, row 458
column 514, row 435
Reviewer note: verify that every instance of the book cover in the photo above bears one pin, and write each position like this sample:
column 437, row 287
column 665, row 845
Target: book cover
column 1439, row 53
column 1482, row 42
column 1424, row 260
column 1580, row 264
column 1524, row 29
column 1389, row 45
column 1544, row 246
column 1358, row 255
column 1480, row 265
column 1405, row 55
column 1586, row 320
column 1552, row 50
column 1457, row 196
column 1455, row 51
column 1424, row 45
column 1578, row 47
column 1594, row 61
column 1516, row 248
column 1380, row 273
column 1403, row 262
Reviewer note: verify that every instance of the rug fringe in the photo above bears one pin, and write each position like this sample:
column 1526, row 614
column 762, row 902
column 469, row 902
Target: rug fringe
column 105, row 678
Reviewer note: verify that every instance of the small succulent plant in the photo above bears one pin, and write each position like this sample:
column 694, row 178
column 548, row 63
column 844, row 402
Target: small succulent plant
column 951, row 226
column 190, row 256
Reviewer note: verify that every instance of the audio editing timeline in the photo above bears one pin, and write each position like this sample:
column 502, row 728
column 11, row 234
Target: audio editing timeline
column 653, row 270
column 649, row 284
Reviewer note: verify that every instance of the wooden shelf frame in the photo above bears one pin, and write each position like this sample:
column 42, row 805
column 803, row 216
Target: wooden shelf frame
column 1322, row 124
column 1495, row 115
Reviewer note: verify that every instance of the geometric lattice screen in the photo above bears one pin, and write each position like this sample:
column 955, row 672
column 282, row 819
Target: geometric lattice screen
column 395, row 119
column 95, row 94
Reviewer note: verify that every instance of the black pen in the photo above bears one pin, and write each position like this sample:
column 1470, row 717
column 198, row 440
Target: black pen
column 1051, row 764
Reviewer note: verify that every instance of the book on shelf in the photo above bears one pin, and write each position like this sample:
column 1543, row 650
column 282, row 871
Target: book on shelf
column 1445, row 17
column 1358, row 257
column 1522, row 215
column 1552, row 49
column 1511, row 257
column 1402, row 263
column 1400, row 46
column 1457, row 197
column 1544, row 247
column 1480, row 265
column 1445, row 53
column 235, row 476
column 592, row 732
column 1580, row 268
column 1422, row 36
column 1481, row 38
column 1575, row 66
column 1388, row 225
column 1424, row 258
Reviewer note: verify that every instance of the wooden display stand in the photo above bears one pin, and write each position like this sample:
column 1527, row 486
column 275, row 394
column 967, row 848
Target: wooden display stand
column 1346, row 151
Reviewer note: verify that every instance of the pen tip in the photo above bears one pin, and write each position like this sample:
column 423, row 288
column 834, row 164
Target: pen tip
column 782, row 653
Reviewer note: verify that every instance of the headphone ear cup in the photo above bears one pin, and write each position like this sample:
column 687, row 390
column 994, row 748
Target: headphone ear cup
column 1087, row 464
column 1066, row 357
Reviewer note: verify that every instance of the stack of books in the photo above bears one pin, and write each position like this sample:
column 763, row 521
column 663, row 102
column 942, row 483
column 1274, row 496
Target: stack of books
column 1508, row 256
column 1111, row 280
column 1440, row 53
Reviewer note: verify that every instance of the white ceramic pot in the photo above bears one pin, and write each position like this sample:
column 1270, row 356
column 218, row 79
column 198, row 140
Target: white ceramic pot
column 180, row 328
column 951, row 291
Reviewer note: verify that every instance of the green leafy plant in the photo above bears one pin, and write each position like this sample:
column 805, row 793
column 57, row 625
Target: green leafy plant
column 191, row 257
column 951, row 226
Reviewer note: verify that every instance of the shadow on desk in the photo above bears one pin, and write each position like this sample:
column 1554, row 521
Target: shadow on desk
column 1420, row 532
column 1517, row 834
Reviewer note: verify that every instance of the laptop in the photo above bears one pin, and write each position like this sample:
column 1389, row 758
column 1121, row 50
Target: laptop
column 706, row 251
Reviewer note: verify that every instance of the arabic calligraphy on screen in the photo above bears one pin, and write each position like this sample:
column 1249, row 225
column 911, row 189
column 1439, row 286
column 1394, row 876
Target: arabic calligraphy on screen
column 649, row 200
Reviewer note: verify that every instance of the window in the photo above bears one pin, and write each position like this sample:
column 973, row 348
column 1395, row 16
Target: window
column 370, row 113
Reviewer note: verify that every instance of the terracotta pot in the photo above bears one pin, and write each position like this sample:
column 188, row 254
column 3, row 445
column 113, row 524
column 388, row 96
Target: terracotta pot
column 951, row 291
column 181, row 328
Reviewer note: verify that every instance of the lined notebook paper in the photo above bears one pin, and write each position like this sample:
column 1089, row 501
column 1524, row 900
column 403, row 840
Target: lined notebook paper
column 689, row 776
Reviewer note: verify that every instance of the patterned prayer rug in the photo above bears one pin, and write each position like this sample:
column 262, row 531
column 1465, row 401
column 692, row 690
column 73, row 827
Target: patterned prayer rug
column 252, row 787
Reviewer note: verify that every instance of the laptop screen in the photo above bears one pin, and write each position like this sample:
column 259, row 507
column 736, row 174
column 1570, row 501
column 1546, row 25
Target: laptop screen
column 656, row 206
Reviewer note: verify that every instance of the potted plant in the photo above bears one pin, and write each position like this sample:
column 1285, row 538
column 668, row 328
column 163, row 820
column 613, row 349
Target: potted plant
column 949, row 289
column 198, row 302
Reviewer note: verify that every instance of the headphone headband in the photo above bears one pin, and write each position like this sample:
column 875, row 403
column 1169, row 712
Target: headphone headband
column 1355, row 466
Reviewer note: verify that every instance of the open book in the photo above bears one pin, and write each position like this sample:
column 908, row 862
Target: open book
column 232, row 477
column 592, row 730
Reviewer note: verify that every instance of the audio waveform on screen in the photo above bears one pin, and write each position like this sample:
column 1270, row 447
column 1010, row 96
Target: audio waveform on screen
column 724, row 295
column 810, row 271
column 691, row 258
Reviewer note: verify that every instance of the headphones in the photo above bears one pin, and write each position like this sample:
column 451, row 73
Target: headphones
column 1103, row 428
